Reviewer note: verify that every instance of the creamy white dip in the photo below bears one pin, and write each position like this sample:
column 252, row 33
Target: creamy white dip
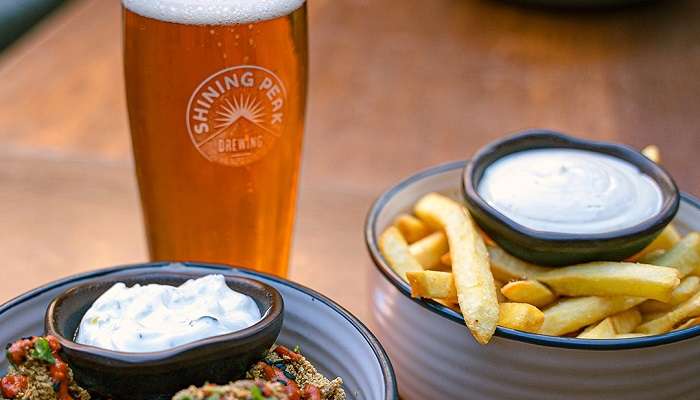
column 570, row 191
column 159, row 317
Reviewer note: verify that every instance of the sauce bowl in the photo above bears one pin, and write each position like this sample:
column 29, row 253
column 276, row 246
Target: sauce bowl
column 436, row 357
column 126, row 375
column 554, row 248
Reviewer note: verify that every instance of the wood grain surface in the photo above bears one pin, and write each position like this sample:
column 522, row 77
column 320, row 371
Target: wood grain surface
column 396, row 86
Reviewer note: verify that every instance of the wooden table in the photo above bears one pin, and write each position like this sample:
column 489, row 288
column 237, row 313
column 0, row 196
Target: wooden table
column 396, row 86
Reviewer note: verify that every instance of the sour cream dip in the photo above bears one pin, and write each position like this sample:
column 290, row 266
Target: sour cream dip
column 570, row 191
column 159, row 317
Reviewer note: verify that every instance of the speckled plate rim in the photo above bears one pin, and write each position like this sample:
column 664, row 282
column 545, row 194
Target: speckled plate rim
column 391, row 392
column 446, row 312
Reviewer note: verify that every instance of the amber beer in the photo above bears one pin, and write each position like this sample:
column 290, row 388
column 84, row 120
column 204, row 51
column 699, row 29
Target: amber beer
column 216, row 93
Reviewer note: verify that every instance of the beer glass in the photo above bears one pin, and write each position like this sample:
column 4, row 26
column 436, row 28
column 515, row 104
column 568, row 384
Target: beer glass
column 216, row 93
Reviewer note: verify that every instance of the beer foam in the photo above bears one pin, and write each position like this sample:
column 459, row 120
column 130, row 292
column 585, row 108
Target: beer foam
column 212, row 12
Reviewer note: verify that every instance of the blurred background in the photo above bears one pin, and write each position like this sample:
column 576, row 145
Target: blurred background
column 395, row 86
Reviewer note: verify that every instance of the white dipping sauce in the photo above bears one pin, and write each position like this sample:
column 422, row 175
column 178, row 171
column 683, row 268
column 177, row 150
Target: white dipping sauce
column 570, row 191
column 159, row 317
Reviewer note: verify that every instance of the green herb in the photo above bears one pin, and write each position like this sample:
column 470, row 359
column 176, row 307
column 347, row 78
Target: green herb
column 257, row 394
column 297, row 349
column 42, row 351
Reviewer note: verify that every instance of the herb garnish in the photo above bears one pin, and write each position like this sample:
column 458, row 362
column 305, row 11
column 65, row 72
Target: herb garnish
column 42, row 351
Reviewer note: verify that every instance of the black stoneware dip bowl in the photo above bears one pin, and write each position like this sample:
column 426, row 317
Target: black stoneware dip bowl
column 159, row 375
column 557, row 249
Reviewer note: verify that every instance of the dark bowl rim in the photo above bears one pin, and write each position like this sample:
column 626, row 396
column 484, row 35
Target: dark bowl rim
column 669, row 208
column 154, row 358
column 511, row 334
column 389, row 376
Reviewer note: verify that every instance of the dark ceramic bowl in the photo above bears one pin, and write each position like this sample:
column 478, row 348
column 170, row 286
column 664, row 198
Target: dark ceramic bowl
column 556, row 249
column 161, row 374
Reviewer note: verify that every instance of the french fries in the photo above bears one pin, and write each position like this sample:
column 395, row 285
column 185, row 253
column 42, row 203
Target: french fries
column 571, row 314
column 520, row 316
column 652, row 152
column 395, row 249
column 668, row 238
column 620, row 323
column 429, row 249
column 684, row 256
column 613, row 279
column 506, row 267
column 651, row 257
column 411, row 227
column 688, row 287
column 688, row 324
column 433, row 284
column 529, row 291
column 476, row 291
column 689, row 308
column 630, row 335
column 445, row 257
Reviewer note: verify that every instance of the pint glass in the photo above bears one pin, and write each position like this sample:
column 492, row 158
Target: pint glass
column 216, row 93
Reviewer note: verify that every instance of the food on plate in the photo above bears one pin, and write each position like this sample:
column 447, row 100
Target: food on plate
column 282, row 374
column 613, row 279
column 571, row 314
column 688, row 309
column 37, row 372
column 528, row 291
column 601, row 298
column 239, row 390
column 688, row 324
column 520, row 316
column 395, row 249
column 506, row 267
column 621, row 323
column 411, row 227
column 430, row 249
column 652, row 152
column 566, row 190
column 160, row 317
column 668, row 238
column 433, row 284
column 684, row 256
column 688, row 287
column 476, row 291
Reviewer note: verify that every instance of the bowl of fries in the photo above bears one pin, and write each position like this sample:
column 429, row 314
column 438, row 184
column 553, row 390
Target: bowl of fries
column 463, row 318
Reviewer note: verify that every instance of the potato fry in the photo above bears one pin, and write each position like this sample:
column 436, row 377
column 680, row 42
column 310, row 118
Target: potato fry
column 651, row 316
column 620, row 323
column 652, row 152
column 520, row 316
column 506, row 267
column 689, row 308
column 668, row 238
column 446, row 260
column 688, row 287
column 650, row 257
column 499, row 296
column 688, row 324
column 432, row 284
column 395, row 249
column 429, row 249
column 613, row 279
column 572, row 314
column 631, row 335
column 476, row 291
column 531, row 292
column 411, row 227
column 684, row 256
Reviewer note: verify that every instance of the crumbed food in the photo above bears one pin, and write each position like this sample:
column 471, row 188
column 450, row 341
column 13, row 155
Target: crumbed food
column 37, row 372
column 283, row 374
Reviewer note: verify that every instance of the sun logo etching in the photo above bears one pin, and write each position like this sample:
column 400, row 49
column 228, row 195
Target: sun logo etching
column 236, row 115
